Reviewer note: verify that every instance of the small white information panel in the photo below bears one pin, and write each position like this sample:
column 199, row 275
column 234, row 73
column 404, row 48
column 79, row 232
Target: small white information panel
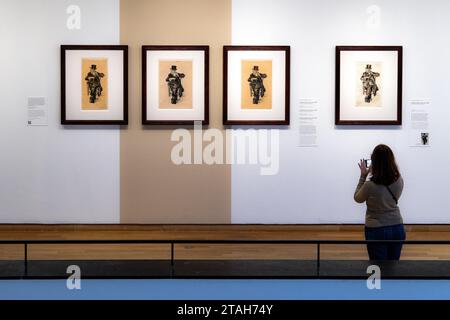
column 37, row 111
column 420, row 131
column 308, row 117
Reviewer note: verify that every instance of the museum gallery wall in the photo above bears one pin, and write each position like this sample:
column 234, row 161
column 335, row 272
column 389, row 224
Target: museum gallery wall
column 362, row 74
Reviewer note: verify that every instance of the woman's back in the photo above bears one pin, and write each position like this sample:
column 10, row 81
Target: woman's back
column 382, row 208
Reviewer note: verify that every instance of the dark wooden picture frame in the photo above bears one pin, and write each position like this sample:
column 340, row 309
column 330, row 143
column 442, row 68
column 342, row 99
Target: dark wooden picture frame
column 287, row 50
column 398, row 120
column 182, row 122
column 64, row 120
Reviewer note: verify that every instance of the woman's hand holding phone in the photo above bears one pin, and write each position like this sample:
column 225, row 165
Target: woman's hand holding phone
column 363, row 167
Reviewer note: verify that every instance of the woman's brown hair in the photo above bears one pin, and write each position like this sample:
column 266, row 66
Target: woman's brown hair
column 384, row 167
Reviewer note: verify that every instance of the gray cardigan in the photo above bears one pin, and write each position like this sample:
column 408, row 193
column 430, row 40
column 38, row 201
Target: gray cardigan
column 382, row 211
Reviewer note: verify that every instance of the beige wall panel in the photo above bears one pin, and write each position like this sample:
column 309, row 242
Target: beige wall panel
column 153, row 190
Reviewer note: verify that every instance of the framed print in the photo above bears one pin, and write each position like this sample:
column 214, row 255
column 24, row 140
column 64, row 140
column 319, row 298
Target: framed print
column 175, row 85
column 94, row 84
column 369, row 85
column 256, row 85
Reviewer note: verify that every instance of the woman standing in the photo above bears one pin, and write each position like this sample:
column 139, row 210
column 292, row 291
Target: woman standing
column 381, row 193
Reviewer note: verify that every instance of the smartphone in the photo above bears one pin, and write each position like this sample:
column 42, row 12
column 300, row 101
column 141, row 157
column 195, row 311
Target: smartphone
column 368, row 162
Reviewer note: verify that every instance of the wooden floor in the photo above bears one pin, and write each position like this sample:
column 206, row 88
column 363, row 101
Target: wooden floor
column 199, row 232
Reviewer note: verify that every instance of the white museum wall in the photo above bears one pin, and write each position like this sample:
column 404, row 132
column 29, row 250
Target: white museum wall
column 52, row 174
column 316, row 185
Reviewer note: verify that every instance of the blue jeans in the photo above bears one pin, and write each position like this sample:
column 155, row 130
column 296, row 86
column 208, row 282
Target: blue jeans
column 385, row 251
